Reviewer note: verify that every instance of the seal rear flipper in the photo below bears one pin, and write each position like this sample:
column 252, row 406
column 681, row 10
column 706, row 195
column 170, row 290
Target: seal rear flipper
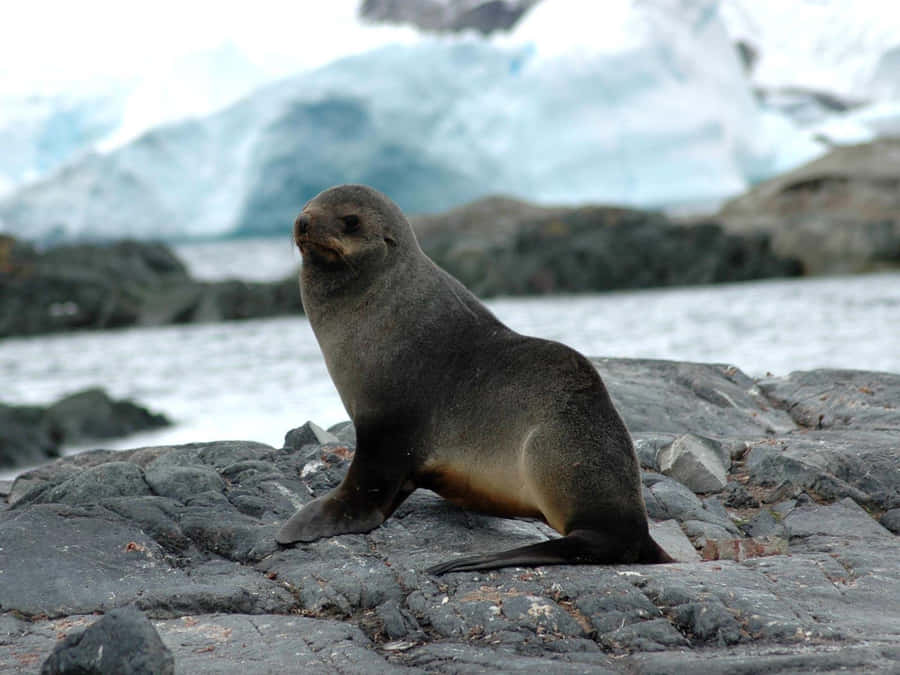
column 580, row 547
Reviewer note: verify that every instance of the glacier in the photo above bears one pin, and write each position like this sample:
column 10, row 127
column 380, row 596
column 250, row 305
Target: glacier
column 652, row 121
column 630, row 101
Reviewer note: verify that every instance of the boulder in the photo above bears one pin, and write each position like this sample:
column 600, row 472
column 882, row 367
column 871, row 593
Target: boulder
column 484, row 16
column 32, row 434
column 695, row 461
column 837, row 214
column 123, row 641
column 121, row 284
column 500, row 246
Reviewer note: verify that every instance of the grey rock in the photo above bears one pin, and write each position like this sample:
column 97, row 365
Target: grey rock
column 110, row 562
column 843, row 519
column 345, row 432
column 484, row 16
column 714, row 505
column 667, row 498
column 859, row 464
column 708, row 621
column 156, row 516
column 675, row 397
column 825, row 659
column 837, row 214
column 91, row 415
column 460, row 658
column 202, row 561
column 308, row 434
column 695, row 461
column 120, row 284
column 647, row 446
column 671, row 537
column 700, row 532
column 123, row 641
column 322, row 437
column 655, row 635
column 397, row 621
column 115, row 479
column 33, row 434
column 183, row 482
column 540, row 614
column 736, row 496
column 560, row 250
column 891, row 520
column 24, row 438
column 838, row 399
column 765, row 524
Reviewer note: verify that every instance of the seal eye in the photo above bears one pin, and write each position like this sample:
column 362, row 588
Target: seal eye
column 351, row 223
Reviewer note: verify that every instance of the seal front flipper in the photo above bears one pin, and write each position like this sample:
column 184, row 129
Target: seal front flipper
column 328, row 516
column 375, row 485
column 339, row 512
column 579, row 547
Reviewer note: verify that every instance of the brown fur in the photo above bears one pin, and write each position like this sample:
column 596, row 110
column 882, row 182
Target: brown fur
column 444, row 396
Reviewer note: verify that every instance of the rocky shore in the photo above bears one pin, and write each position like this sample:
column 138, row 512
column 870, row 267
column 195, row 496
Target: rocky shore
column 501, row 246
column 780, row 497
column 31, row 434
column 120, row 284
column 495, row 246
column 837, row 214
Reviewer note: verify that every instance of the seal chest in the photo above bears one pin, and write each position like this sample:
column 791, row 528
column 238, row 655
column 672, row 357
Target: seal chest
column 444, row 396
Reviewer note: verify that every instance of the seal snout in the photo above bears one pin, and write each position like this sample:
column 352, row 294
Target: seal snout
column 313, row 236
column 301, row 225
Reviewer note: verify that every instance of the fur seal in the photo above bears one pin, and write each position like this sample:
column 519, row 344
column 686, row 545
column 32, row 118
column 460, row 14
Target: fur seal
column 446, row 397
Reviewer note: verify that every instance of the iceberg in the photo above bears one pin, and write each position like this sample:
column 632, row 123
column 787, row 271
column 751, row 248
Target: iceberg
column 631, row 102
column 647, row 105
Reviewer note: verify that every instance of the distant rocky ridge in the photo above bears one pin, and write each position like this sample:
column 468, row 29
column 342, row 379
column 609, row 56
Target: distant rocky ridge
column 838, row 214
column 484, row 16
column 122, row 284
column 501, row 246
column 495, row 246
column 31, row 434
column 789, row 564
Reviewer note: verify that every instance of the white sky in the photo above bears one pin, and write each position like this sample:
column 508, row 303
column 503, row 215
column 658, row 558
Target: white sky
column 47, row 45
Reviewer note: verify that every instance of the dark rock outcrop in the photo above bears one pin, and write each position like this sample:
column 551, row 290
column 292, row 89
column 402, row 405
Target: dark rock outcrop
column 32, row 434
column 484, row 16
column 122, row 284
column 186, row 534
column 494, row 246
column 123, row 641
column 837, row 214
column 501, row 246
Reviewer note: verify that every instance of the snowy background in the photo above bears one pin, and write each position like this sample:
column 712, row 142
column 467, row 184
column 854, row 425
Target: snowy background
column 202, row 121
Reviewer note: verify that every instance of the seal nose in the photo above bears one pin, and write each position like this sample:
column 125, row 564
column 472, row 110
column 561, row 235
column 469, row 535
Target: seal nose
column 301, row 224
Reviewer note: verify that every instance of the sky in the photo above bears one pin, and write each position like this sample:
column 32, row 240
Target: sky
column 47, row 46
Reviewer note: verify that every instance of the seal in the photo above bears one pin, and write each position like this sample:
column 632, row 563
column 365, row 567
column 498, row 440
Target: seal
column 445, row 397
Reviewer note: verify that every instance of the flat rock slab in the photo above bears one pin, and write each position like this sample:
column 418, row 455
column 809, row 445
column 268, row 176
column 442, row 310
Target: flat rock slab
column 712, row 400
column 186, row 534
column 851, row 399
